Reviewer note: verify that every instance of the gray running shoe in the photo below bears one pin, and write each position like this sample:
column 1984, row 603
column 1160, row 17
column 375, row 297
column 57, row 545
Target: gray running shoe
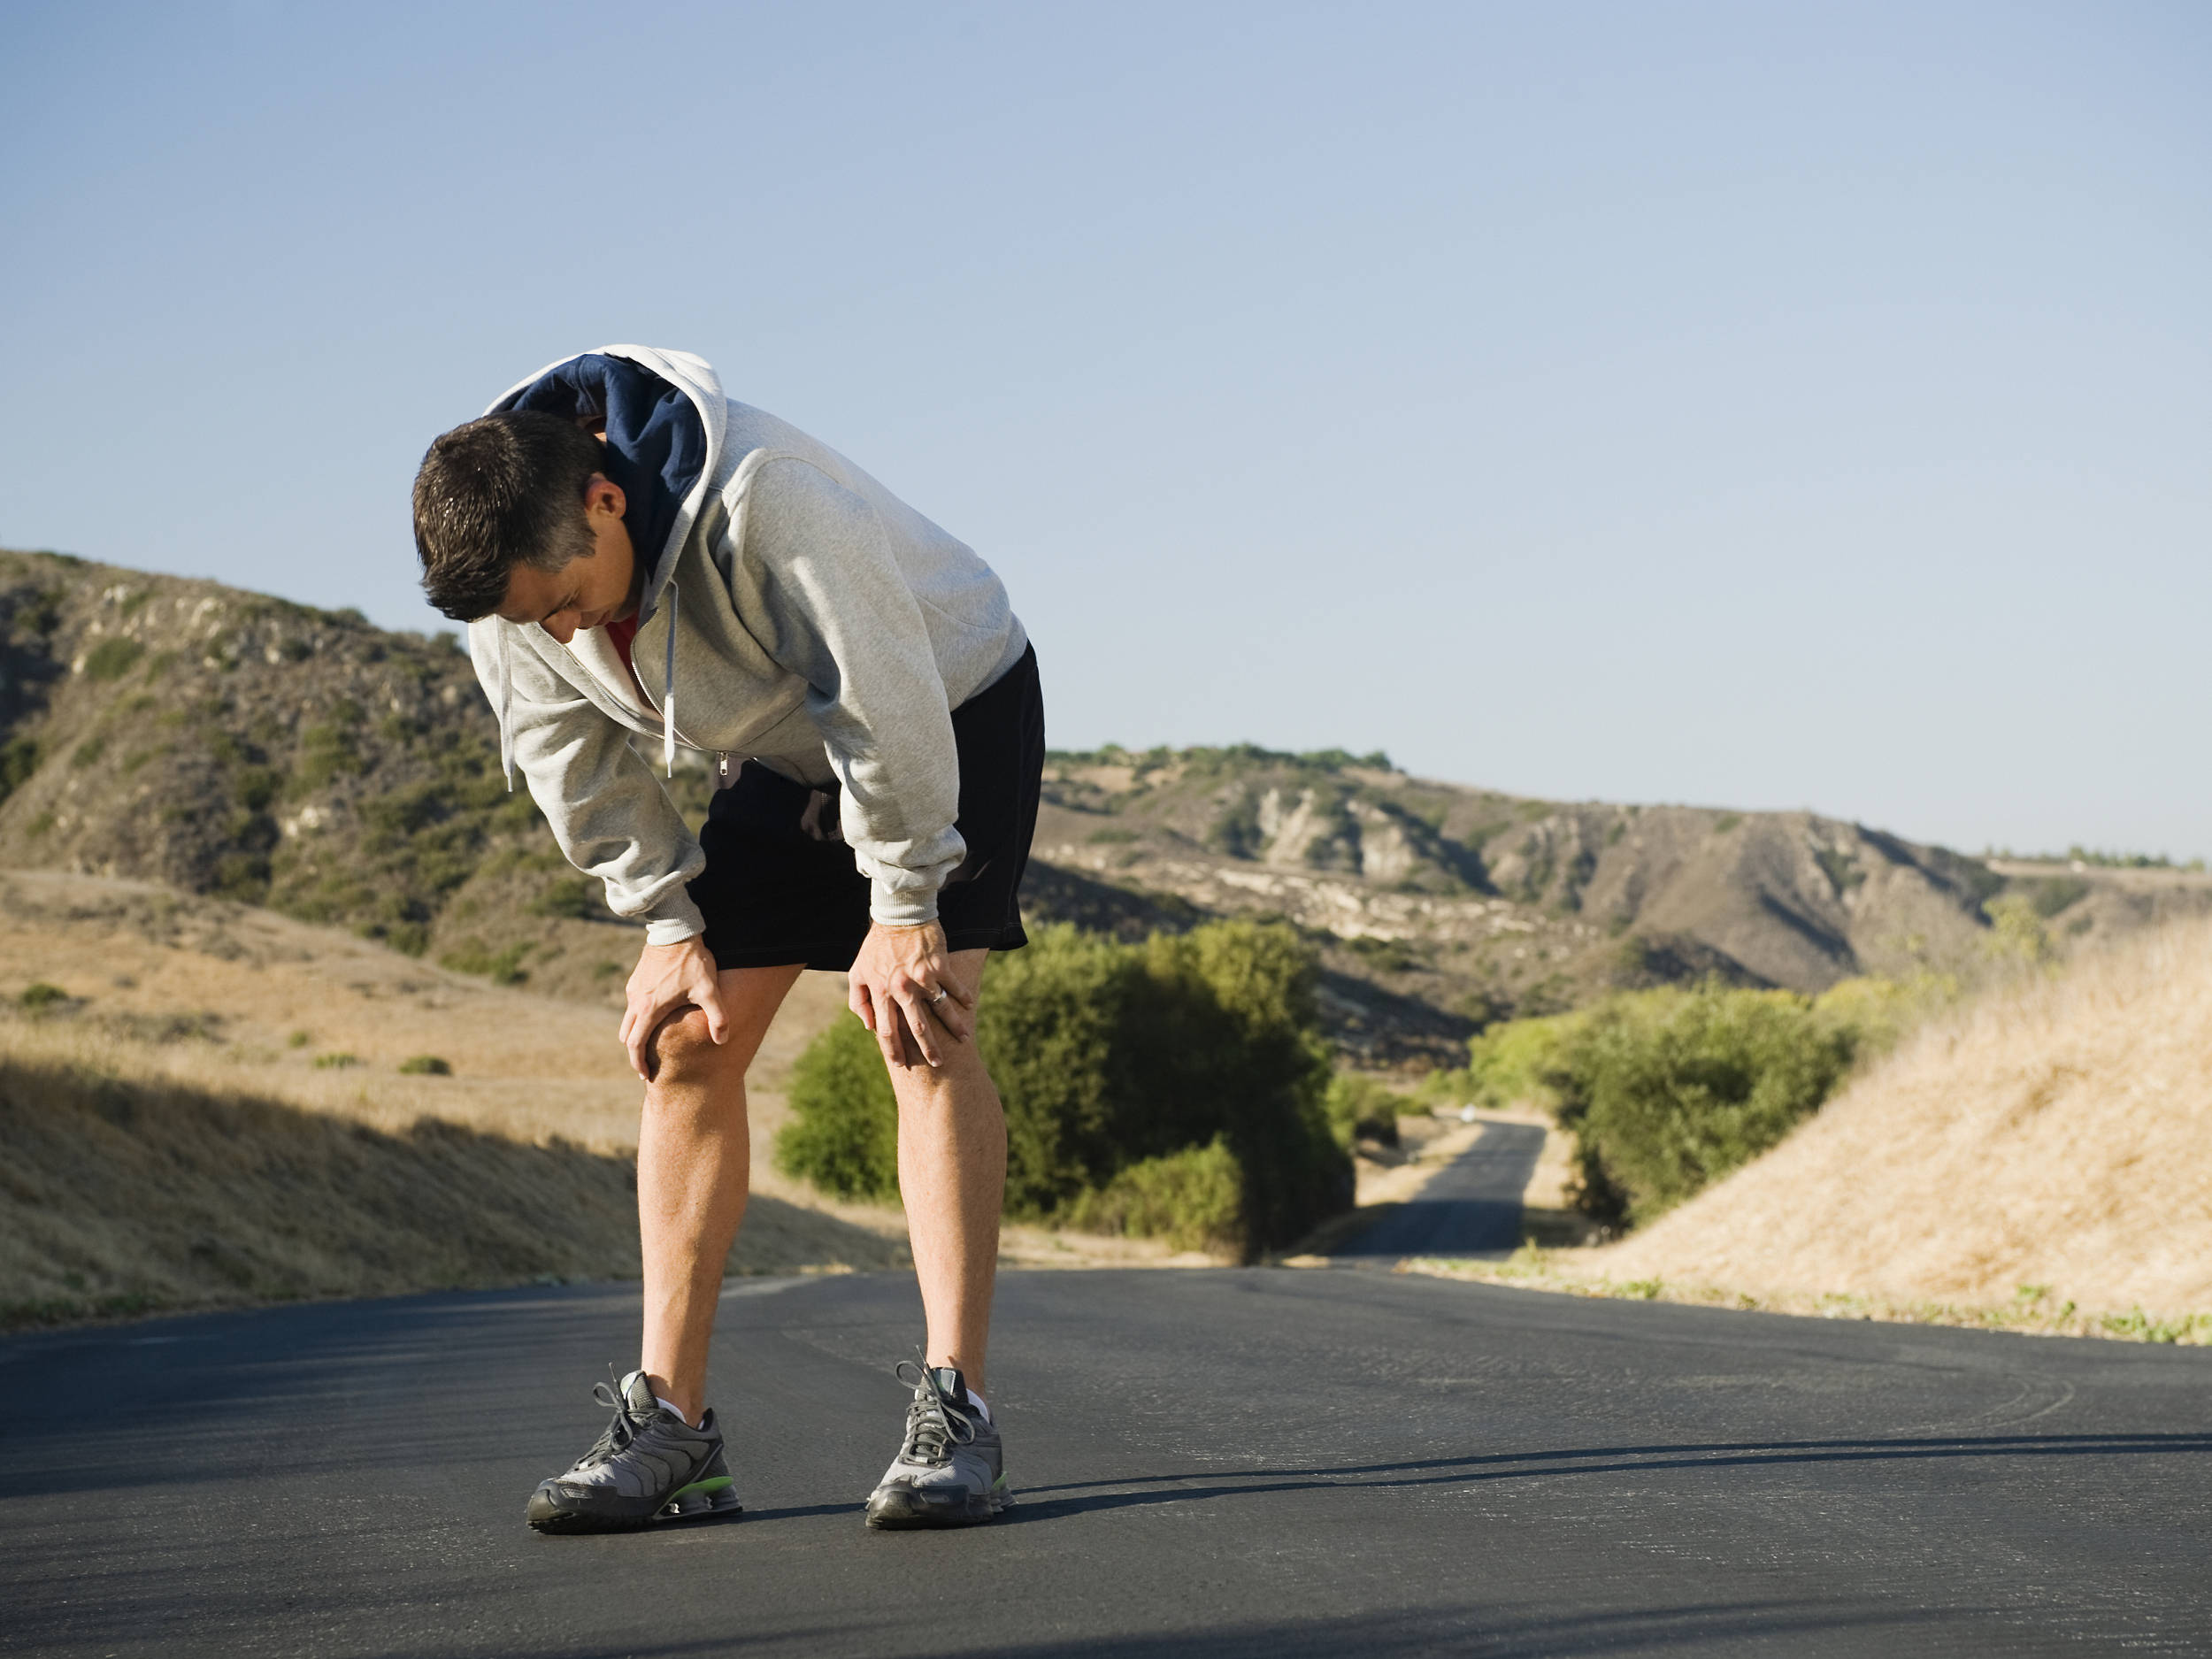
column 650, row 1465
column 950, row 1470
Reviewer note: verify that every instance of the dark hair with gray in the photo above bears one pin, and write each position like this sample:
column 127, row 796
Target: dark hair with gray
column 499, row 492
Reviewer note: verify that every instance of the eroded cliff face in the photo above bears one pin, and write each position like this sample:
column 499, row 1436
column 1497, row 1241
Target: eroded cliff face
column 1790, row 899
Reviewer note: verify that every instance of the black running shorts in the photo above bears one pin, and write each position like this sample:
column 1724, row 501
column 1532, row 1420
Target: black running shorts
column 778, row 887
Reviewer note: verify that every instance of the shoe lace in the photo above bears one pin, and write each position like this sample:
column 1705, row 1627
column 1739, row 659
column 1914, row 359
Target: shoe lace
column 618, row 1433
column 934, row 1424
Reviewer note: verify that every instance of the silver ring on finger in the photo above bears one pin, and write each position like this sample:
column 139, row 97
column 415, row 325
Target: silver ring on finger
column 941, row 994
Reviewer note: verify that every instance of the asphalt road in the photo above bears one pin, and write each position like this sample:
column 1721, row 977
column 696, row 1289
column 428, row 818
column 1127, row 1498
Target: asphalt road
column 1261, row 1463
column 1471, row 1207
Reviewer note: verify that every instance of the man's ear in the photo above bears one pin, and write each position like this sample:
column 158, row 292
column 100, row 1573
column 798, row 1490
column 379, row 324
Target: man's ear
column 602, row 494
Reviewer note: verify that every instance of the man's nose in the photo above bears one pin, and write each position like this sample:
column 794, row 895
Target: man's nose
column 562, row 627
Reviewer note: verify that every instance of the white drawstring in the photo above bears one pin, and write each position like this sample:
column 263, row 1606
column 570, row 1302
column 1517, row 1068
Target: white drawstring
column 668, row 699
column 506, row 703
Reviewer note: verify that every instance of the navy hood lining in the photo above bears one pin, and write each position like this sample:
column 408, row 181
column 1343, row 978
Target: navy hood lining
column 656, row 446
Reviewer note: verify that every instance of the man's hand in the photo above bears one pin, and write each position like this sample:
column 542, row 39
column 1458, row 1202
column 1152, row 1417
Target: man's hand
column 670, row 977
column 902, row 987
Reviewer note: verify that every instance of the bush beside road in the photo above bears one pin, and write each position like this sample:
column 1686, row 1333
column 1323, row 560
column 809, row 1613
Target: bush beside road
column 1173, row 1089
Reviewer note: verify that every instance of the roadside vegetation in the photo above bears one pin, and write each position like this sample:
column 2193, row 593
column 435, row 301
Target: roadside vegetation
column 1667, row 1090
column 1175, row 1089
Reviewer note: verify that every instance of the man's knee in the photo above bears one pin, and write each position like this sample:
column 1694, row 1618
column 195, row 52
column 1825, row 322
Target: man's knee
column 681, row 1051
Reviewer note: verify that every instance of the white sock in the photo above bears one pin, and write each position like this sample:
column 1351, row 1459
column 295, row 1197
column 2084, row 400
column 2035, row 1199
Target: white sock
column 686, row 1421
column 976, row 1400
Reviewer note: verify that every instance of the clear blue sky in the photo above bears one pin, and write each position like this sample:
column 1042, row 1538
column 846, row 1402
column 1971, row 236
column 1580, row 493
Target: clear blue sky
column 1767, row 406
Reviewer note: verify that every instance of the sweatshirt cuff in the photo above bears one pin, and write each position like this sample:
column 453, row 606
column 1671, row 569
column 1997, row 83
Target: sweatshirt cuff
column 900, row 906
column 676, row 919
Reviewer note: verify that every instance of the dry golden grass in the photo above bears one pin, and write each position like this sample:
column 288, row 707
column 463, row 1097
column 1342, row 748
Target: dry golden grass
column 128, row 1195
column 141, row 964
column 2041, row 1160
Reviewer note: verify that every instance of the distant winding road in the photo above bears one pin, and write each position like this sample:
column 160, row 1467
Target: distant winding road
column 1471, row 1207
column 1252, row 1462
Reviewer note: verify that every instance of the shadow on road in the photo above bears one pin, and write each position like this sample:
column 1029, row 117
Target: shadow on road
column 1037, row 1505
column 1766, row 1626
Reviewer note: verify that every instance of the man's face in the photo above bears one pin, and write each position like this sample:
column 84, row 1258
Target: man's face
column 589, row 591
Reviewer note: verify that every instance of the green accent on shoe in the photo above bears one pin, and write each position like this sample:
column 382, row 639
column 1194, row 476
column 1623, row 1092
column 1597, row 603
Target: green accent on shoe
column 717, row 1484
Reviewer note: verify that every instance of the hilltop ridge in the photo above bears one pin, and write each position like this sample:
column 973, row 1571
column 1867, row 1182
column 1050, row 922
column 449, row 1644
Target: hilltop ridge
column 1481, row 904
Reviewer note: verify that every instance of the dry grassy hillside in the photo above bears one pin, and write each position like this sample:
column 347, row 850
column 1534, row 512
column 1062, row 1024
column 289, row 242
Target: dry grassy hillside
column 227, row 998
column 213, row 1111
column 2049, row 1145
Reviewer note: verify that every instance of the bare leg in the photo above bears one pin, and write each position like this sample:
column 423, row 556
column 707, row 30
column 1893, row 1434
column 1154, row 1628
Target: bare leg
column 694, row 1165
column 952, row 1174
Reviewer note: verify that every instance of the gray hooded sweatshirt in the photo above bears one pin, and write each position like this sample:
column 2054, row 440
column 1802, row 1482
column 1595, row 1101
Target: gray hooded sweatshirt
column 798, row 614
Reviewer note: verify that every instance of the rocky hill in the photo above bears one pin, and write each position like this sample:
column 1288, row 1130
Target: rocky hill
column 229, row 743
column 1475, row 904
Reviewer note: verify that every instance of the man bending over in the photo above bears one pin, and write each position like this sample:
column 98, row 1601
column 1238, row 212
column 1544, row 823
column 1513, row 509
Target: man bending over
column 639, row 557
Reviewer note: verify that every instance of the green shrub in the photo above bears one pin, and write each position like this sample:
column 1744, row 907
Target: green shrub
column 327, row 752
column 1109, row 1056
column 425, row 1065
column 1386, row 955
column 2053, row 894
column 38, row 998
column 2017, row 931
column 1874, row 1013
column 1667, row 1090
column 1841, row 869
column 844, row 1130
column 1193, row 1199
column 19, row 759
column 240, row 876
column 501, row 967
column 1360, row 1109
column 1510, row 1064
column 1236, row 831
column 113, row 658
column 258, row 785
column 1238, row 1052
column 39, row 611
column 576, row 896
column 336, row 1062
